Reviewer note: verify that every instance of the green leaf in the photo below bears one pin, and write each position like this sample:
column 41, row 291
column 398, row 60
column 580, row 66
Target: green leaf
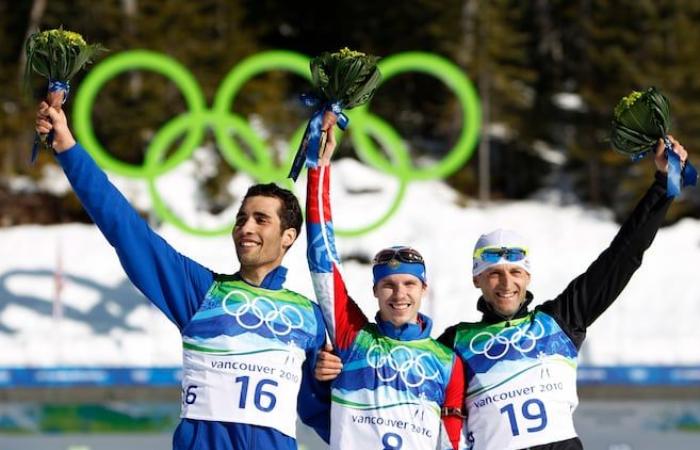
column 639, row 121
column 348, row 77
column 58, row 54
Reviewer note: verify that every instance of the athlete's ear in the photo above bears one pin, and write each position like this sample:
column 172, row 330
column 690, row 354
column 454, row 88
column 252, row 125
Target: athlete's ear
column 288, row 237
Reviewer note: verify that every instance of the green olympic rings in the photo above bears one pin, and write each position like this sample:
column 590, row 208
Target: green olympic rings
column 455, row 80
column 261, row 166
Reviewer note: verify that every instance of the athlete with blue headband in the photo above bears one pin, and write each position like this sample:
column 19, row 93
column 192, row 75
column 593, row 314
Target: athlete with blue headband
column 400, row 388
column 520, row 363
column 249, row 344
column 398, row 259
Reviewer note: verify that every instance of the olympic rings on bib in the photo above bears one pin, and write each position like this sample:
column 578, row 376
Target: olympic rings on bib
column 366, row 130
column 524, row 339
column 263, row 311
column 403, row 363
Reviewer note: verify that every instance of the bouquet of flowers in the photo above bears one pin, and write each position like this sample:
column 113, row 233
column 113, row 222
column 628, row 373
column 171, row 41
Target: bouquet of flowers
column 56, row 55
column 642, row 118
column 341, row 80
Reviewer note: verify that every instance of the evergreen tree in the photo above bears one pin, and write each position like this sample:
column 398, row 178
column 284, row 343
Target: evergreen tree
column 654, row 47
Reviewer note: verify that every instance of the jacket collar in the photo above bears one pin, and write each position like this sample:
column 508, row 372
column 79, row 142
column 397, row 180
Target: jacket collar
column 272, row 281
column 407, row 331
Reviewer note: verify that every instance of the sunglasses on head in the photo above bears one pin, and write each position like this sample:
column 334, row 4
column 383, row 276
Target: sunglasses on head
column 494, row 254
column 403, row 254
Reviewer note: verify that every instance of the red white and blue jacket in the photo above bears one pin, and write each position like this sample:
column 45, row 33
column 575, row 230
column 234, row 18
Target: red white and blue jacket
column 395, row 381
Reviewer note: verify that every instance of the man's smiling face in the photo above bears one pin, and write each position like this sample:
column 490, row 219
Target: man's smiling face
column 399, row 298
column 258, row 236
column 504, row 287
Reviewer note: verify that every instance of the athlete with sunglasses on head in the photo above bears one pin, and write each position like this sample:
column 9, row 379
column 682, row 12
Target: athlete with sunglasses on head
column 520, row 363
column 400, row 389
column 248, row 343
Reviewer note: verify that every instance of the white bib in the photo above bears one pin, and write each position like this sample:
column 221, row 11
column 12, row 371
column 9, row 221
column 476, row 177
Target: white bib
column 398, row 427
column 257, row 388
column 533, row 407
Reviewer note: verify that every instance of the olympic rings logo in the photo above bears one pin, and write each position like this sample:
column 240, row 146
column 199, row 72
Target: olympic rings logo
column 497, row 345
column 366, row 128
column 264, row 311
column 403, row 363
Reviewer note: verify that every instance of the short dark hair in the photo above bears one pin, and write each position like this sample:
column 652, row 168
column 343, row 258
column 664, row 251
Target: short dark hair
column 290, row 212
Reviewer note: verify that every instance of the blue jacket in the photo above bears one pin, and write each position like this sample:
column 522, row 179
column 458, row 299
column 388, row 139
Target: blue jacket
column 177, row 285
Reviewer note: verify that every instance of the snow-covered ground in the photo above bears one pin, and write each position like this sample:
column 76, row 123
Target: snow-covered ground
column 106, row 322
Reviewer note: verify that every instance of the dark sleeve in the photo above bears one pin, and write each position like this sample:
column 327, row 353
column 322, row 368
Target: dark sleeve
column 171, row 281
column 454, row 399
column 314, row 399
column 592, row 292
column 447, row 338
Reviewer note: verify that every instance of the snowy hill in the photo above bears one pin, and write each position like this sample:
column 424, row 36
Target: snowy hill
column 104, row 321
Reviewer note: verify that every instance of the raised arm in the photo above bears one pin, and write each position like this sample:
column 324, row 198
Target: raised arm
column 173, row 282
column 343, row 317
column 592, row 292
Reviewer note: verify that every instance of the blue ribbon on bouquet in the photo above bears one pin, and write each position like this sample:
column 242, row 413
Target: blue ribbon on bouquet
column 308, row 151
column 677, row 176
column 54, row 86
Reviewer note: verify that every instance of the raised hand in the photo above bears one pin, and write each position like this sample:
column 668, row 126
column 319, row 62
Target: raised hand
column 660, row 159
column 328, row 142
column 51, row 118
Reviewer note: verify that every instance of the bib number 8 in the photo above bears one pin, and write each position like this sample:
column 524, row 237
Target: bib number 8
column 392, row 441
column 265, row 401
column 539, row 414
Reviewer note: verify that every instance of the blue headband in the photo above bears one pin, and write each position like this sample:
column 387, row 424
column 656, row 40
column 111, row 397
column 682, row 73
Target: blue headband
column 394, row 267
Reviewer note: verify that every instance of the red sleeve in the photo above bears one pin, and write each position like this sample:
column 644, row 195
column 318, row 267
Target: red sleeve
column 349, row 318
column 454, row 399
column 343, row 317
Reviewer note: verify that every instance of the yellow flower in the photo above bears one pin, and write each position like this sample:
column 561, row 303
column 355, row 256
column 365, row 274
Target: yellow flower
column 347, row 53
column 74, row 38
column 626, row 103
column 58, row 54
column 59, row 34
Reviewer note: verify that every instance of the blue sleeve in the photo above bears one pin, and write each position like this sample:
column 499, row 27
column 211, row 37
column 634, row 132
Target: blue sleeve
column 173, row 282
column 314, row 402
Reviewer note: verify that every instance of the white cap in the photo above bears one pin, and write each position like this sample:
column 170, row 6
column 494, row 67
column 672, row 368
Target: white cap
column 500, row 239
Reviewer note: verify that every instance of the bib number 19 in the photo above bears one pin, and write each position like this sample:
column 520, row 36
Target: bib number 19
column 263, row 400
column 532, row 410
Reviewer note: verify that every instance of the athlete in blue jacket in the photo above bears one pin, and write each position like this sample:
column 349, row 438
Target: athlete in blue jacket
column 249, row 345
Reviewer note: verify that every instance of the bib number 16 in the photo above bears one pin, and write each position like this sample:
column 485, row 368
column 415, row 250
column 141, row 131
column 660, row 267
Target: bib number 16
column 264, row 400
column 532, row 410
